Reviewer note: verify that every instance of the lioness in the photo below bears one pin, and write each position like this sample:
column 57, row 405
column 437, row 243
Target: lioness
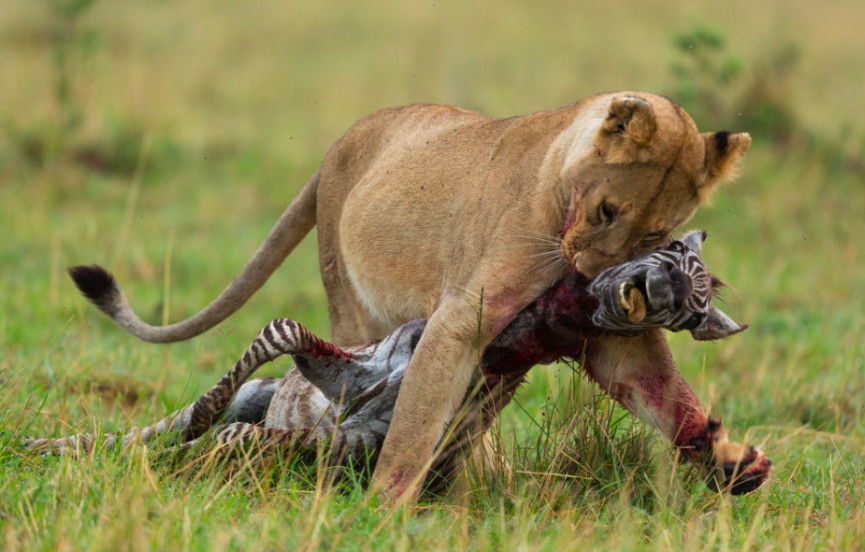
column 425, row 209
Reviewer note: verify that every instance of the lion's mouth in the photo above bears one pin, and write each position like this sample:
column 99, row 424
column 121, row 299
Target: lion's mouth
column 633, row 300
column 573, row 259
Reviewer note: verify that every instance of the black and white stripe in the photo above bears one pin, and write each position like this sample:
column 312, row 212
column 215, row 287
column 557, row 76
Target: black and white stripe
column 683, row 271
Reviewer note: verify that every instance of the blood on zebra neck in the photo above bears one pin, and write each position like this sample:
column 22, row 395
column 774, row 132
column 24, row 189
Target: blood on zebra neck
column 556, row 325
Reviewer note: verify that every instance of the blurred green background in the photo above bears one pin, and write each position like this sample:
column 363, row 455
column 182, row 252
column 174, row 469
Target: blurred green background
column 162, row 140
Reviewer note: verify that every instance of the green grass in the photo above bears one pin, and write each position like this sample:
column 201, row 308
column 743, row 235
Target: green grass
column 199, row 123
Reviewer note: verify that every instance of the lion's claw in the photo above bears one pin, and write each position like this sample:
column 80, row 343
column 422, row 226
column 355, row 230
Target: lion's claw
column 739, row 469
column 743, row 476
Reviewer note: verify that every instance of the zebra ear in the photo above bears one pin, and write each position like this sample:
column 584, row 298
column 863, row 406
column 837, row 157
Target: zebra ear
column 694, row 239
column 717, row 325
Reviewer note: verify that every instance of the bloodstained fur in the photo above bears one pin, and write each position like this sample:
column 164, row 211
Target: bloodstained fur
column 557, row 325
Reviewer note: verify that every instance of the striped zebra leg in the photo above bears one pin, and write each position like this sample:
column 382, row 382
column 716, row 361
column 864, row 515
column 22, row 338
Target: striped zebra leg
column 282, row 336
column 270, row 439
column 249, row 405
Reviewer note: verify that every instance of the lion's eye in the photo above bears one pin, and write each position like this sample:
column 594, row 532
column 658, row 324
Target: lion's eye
column 607, row 213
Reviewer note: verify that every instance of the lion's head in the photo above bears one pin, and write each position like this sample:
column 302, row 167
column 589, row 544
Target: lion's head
column 635, row 167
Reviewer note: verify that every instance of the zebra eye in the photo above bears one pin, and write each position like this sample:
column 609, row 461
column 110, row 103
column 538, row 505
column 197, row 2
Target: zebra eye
column 692, row 322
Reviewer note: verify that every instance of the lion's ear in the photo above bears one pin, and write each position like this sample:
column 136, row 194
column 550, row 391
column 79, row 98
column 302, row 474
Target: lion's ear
column 632, row 118
column 723, row 152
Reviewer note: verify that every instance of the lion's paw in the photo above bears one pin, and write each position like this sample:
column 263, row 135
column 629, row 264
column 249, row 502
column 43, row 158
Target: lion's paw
column 737, row 468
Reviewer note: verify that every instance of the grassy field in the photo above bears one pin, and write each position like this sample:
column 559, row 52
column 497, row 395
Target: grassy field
column 162, row 139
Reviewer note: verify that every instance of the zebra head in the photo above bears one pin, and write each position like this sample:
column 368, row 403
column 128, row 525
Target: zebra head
column 669, row 288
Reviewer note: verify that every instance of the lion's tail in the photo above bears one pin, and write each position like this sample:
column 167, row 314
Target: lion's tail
column 101, row 289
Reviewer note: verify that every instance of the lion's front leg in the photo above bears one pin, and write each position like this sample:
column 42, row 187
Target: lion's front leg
column 432, row 390
column 639, row 373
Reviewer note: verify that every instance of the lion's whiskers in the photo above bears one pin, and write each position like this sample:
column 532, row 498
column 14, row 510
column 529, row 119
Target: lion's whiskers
column 552, row 263
column 544, row 248
column 534, row 236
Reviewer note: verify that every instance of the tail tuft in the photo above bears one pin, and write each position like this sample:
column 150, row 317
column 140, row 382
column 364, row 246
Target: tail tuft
column 98, row 286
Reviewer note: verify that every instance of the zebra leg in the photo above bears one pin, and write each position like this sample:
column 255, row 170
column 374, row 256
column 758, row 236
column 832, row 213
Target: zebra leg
column 282, row 336
column 336, row 441
column 640, row 374
column 239, row 433
column 344, row 374
column 249, row 405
